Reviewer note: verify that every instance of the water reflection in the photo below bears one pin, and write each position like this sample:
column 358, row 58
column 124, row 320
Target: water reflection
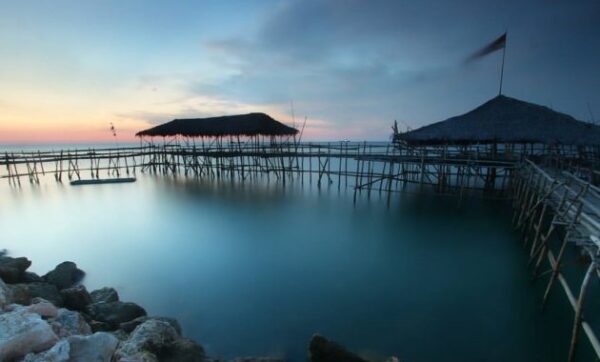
column 257, row 268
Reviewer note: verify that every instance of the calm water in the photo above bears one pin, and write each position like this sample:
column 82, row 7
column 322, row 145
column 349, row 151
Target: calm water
column 257, row 269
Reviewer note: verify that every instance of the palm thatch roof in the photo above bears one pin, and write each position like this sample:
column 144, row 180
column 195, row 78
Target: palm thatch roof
column 507, row 120
column 251, row 124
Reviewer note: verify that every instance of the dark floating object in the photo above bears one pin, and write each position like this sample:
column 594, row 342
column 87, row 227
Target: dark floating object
column 103, row 181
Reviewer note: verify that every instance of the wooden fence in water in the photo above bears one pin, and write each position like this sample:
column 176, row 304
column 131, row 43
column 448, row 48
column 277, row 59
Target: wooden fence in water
column 363, row 166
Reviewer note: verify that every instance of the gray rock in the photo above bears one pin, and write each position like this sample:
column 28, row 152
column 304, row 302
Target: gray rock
column 68, row 323
column 149, row 340
column 22, row 332
column 38, row 306
column 131, row 325
column 5, row 294
column 58, row 353
column 12, row 269
column 23, row 293
column 115, row 313
column 258, row 359
column 105, row 294
column 120, row 334
column 98, row 326
column 64, row 275
column 31, row 277
column 322, row 350
column 76, row 298
column 98, row 347
column 187, row 350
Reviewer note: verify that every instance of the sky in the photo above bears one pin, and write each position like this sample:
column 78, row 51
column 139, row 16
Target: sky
column 349, row 67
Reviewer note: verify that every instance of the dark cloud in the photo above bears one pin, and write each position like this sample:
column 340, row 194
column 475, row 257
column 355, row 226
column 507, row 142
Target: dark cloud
column 364, row 62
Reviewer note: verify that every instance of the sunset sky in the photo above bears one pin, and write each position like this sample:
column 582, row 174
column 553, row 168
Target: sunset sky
column 70, row 68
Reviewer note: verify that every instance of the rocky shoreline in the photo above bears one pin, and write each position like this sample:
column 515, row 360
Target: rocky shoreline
column 53, row 318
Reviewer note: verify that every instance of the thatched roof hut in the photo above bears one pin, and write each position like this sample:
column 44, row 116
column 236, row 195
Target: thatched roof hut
column 251, row 124
column 507, row 120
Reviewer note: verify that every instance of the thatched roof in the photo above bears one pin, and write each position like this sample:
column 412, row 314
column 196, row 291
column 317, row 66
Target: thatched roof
column 507, row 120
column 250, row 124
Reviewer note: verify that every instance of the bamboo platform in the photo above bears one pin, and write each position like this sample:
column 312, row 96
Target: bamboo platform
column 556, row 205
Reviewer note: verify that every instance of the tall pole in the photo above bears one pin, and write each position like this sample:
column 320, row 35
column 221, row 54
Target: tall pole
column 502, row 70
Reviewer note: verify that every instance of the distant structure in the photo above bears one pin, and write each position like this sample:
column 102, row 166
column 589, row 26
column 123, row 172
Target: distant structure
column 249, row 125
column 511, row 126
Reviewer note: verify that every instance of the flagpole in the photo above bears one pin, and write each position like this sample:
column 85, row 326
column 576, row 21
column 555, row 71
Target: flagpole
column 502, row 70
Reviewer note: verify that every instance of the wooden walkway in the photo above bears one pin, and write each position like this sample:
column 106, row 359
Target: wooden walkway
column 365, row 166
column 553, row 205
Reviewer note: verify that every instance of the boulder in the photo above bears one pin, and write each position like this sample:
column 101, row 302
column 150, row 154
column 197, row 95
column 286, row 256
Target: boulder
column 12, row 269
column 98, row 326
column 104, row 295
column 76, row 298
column 5, row 294
column 322, row 350
column 187, row 350
column 22, row 332
column 30, row 277
column 68, row 323
column 64, row 275
column 131, row 325
column 42, row 307
column 58, row 353
column 151, row 339
column 98, row 347
column 115, row 313
column 24, row 292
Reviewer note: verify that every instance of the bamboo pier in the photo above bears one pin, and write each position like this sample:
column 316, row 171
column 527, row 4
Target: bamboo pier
column 546, row 163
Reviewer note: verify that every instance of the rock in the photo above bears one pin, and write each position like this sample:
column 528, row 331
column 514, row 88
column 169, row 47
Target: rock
column 98, row 347
column 184, row 350
column 12, row 269
column 104, row 295
column 42, row 307
column 130, row 326
column 120, row 334
column 5, row 295
column 65, row 275
column 322, row 350
column 30, row 277
column 23, row 293
column 22, row 332
column 149, row 340
column 76, row 298
column 68, row 323
column 58, row 353
column 115, row 313
column 100, row 326
column 258, row 359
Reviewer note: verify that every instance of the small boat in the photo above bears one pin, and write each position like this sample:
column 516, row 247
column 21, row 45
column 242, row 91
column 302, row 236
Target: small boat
column 103, row 181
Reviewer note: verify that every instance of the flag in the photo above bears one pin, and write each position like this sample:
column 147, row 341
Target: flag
column 497, row 44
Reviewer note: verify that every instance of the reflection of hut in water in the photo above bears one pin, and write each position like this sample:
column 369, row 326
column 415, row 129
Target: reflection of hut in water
column 508, row 126
column 251, row 126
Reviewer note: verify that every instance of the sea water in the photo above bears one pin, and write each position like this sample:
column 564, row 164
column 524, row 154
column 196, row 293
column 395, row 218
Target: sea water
column 255, row 268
